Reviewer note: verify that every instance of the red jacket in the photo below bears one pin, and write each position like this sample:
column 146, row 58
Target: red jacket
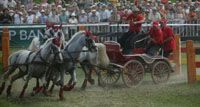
column 171, row 44
column 157, row 35
column 135, row 27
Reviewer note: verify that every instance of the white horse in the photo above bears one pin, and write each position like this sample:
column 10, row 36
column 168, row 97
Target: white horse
column 91, row 61
column 71, row 54
column 32, row 64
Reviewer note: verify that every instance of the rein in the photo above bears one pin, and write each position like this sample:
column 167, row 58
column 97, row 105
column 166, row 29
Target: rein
column 40, row 56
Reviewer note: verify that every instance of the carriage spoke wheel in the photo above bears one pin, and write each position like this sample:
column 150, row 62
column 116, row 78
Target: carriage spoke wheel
column 110, row 75
column 133, row 73
column 161, row 72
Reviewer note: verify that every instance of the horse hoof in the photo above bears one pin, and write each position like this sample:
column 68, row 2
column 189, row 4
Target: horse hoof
column 68, row 87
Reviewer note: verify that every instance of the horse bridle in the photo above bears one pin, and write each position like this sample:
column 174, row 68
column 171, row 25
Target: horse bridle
column 51, row 33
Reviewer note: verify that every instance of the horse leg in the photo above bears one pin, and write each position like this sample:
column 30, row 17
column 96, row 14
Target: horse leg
column 37, row 85
column 13, row 78
column 72, row 81
column 61, row 96
column 98, row 75
column 68, row 86
column 54, row 82
column 37, row 88
column 51, row 89
column 25, row 86
column 5, row 76
column 84, row 67
column 2, row 87
column 45, row 86
column 90, row 80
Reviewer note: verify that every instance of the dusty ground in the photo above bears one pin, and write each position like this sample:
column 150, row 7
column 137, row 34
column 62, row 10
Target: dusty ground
column 174, row 93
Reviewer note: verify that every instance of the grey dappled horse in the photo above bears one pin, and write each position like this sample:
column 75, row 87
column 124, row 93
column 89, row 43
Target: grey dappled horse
column 32, row 64
column 71, row 53
column 90, row 61
column 85, row 57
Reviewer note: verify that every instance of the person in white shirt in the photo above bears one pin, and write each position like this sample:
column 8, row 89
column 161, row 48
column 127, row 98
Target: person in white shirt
column 4, row 3
column 93, row 17
column 110, row 10
column 43, row 17
column 83, row 17
column 59, row 9
column 11, row 3
column 30, row 17
column 154, row 15
column 73, row 20
column 18, row 18
column 37, row 11
column 63, row 17
column 104, row 14
column 54, row 18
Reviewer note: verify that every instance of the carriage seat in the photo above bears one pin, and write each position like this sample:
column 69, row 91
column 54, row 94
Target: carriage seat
column 114, row 52
column 112, row 46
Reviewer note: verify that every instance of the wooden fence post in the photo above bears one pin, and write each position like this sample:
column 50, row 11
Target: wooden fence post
column 5, row 48
column 81, row 28
column 191, row 65
column 177, row 54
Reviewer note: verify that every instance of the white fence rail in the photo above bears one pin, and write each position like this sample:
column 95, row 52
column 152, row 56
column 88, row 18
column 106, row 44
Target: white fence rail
column 185, row 30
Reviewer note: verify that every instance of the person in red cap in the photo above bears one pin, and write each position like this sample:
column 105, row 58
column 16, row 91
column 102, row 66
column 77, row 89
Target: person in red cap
column 135, row 26
column 169, row 43
column 156, row 40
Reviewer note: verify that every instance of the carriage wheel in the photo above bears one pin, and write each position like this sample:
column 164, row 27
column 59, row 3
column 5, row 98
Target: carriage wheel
column 161, row 72
column 110, row 75
column 133, row 73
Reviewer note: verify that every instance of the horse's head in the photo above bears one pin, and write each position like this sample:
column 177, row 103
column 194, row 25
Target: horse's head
column 49, row 31
column 58, row 31
column 90, row 44
column 56, row 50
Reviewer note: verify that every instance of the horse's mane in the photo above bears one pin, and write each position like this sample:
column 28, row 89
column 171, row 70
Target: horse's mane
column 46, row 42
column 103, row 59
column 75, row 36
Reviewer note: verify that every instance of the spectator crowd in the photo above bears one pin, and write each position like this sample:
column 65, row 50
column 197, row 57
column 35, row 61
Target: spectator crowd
column 78, row 11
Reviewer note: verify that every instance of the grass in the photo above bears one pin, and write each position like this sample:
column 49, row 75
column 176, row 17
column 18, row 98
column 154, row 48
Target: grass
column 174, row 93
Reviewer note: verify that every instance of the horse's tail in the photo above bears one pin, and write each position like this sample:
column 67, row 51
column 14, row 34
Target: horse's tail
column 103, row 59
column 11, row 65
column 34, row 44
column 10, row 70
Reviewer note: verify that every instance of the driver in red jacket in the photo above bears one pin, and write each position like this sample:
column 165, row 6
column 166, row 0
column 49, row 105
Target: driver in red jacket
column 135, row 26
column 156, row 39
column 168, row 37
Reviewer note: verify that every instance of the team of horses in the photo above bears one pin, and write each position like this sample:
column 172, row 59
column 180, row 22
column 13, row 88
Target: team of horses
column 51, row 60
